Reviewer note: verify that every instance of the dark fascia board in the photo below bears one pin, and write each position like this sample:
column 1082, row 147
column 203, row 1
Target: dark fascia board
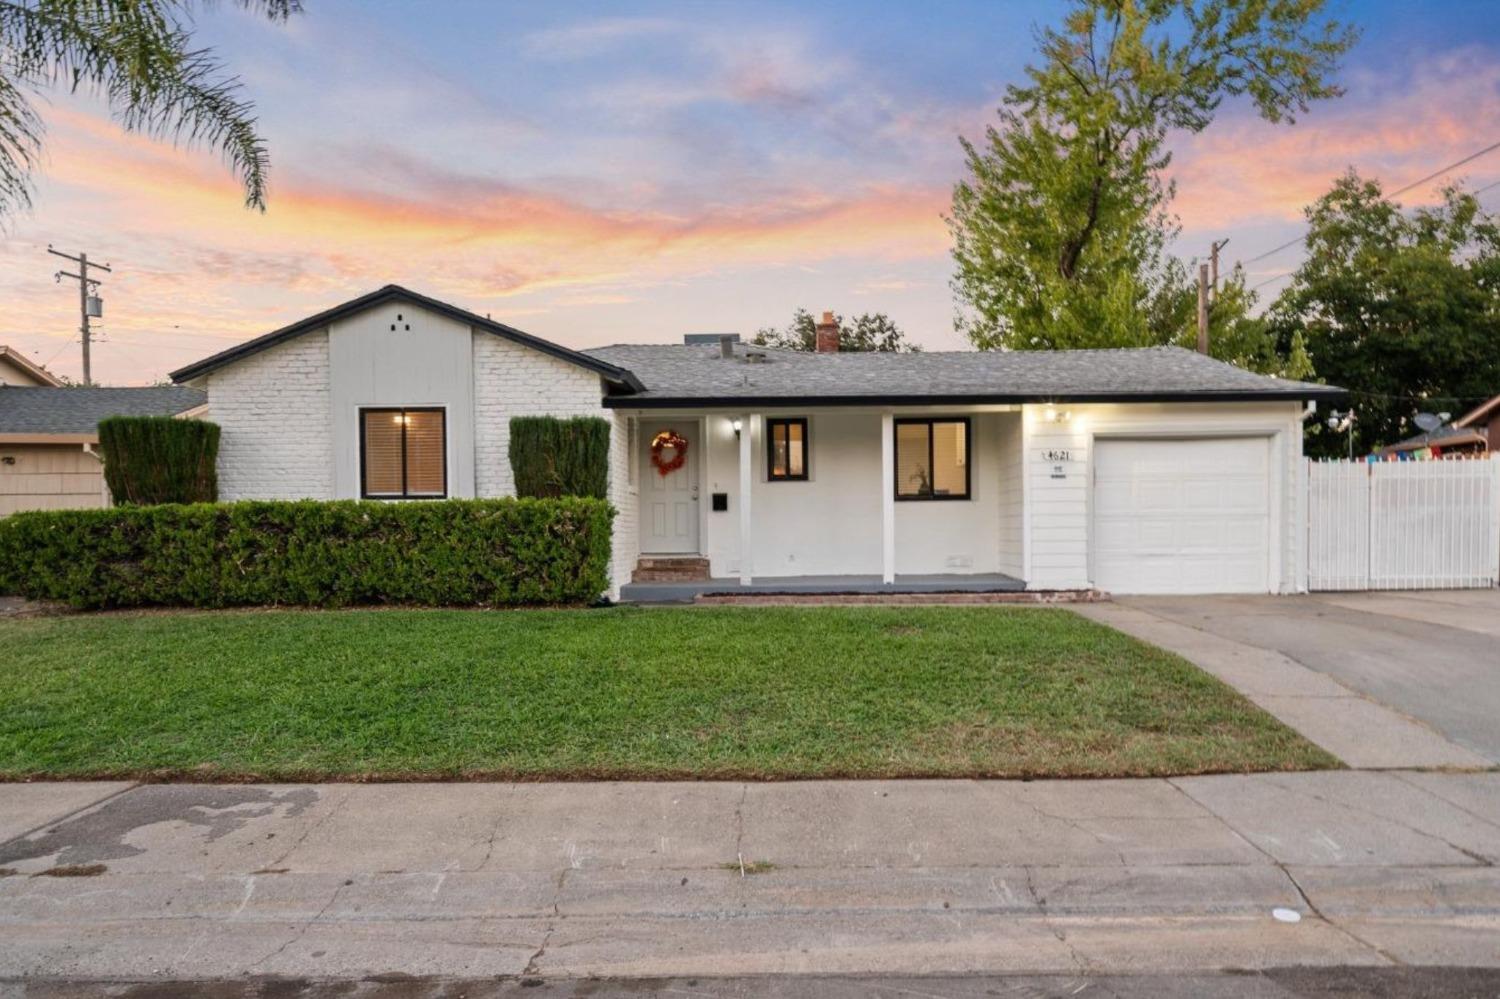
column 1329, row 394
column 619, row 376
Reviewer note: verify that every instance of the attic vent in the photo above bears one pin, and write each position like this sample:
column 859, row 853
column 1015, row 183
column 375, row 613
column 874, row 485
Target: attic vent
column 400, row 318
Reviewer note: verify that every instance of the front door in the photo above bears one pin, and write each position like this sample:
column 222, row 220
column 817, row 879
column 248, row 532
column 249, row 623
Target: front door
column 669, row 488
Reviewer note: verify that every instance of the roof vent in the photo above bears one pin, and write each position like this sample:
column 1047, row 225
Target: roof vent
column 707, row 339
column 754, row 357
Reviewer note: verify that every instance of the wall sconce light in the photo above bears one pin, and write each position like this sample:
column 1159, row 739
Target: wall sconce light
column 1052, row 415
column 736, row 425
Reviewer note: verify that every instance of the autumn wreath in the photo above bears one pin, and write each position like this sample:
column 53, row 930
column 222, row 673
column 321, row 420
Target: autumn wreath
column 679, row 446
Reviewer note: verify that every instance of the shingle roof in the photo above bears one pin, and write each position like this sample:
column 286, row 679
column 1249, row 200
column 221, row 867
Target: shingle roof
column 1445, row 436
column 36, row 410
column 684, row 375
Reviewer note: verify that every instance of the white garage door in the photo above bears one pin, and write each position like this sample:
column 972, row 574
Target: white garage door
column 1182, row 516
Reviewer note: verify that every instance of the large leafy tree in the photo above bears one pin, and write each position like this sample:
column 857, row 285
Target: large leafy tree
column 870, row 331
column 138, row 55
column 1401, row 308
column 1061, row 227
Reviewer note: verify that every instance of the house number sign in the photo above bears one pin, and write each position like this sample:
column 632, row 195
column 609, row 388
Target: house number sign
column 1059, row 457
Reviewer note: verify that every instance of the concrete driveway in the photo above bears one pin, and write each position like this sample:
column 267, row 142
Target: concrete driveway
column 1432, row 655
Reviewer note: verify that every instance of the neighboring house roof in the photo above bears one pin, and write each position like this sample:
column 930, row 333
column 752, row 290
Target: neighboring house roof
column 38, row 410
column 27, row 366
column 1483, row 411
column 389, row 293
column 683, row 375
column 1449, row 436
column 1460, row 432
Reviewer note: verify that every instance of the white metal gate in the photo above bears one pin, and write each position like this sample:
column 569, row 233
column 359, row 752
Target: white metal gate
column 1398, row 525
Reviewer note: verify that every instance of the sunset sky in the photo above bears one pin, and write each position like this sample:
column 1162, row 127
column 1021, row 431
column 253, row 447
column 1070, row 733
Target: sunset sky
column 611, row 172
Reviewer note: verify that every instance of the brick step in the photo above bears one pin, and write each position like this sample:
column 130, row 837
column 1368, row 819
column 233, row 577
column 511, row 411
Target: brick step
column 670, row 569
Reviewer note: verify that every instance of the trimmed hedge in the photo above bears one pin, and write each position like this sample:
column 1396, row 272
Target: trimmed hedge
column 550, row 456
column 160, row 459
column 474, row 553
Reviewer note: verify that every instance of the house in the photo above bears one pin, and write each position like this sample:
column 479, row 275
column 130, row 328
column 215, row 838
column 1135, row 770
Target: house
column 49, row 435
column 17, row 369
column 1471, row 433
column 736, row 468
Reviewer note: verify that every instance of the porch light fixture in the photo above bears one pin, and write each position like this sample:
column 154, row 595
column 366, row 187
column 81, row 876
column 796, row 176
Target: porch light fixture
column 736, row 425
column 1053, row 416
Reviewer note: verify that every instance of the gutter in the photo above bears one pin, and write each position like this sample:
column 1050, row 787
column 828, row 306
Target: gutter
column 1329, row 394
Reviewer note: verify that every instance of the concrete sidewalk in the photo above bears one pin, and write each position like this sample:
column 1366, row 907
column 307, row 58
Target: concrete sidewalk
column 632, row 879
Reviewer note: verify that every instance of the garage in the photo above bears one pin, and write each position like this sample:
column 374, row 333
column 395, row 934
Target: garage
column 1182, row 515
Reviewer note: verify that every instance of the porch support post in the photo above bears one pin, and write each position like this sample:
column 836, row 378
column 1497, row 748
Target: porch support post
column 747, row 480
column 887, row 498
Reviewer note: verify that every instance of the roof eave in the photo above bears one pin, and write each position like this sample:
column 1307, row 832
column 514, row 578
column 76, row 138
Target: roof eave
column 610, row 372
column 1312, row 393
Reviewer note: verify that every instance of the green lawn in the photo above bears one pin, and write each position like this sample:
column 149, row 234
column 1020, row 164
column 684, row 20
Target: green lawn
column 626, row 692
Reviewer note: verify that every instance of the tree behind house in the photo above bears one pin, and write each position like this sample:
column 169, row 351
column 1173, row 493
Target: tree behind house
column 870, row 331
column 1061, row 227
column 1403, row 309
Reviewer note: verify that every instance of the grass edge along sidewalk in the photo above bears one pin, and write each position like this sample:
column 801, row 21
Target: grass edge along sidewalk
column 666, row 693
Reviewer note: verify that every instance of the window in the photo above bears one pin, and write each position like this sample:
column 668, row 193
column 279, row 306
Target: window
column 932, row 459
column 403, row 453
column 786, row 450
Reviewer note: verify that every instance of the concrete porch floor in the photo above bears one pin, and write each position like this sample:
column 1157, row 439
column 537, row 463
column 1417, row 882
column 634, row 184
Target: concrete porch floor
column 682, row 592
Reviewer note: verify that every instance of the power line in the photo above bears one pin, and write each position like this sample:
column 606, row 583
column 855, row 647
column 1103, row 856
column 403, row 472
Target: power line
column 1400, row 190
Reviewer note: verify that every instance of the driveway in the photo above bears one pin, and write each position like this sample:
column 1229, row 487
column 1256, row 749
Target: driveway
column 1433, row 655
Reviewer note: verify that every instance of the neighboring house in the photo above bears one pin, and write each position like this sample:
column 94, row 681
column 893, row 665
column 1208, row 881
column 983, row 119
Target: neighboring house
column 1155, row 470
column 1471, row 433
column 17, row 369
column 48, row 438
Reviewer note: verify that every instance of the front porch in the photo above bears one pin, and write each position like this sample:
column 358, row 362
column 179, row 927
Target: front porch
column 686, row 591
column 824, row 501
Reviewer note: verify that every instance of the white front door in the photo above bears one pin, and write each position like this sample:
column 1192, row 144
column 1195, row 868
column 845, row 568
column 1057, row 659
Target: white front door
column 669, row 500
column 1182, row 516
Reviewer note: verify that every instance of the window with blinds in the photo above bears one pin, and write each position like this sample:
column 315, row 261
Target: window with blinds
column 403, row 453
column 932, row 459
column 786, row 449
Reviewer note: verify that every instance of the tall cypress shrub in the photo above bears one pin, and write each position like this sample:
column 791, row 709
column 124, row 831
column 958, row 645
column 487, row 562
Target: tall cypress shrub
column 550, row 456
column 160, row 459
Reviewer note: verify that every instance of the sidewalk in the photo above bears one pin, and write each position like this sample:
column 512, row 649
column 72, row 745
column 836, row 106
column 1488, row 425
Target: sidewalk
column 893, row 878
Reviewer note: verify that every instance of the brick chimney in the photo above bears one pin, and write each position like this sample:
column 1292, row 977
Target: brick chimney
column 827, row 334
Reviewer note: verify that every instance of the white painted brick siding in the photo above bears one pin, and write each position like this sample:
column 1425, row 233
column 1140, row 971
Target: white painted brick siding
column 511, row 380
column 273, row 408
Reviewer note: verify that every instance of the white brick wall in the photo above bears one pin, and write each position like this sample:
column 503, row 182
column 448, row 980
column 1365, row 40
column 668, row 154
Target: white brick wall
column 626, row 498
column 273, row 408
column 512, row 380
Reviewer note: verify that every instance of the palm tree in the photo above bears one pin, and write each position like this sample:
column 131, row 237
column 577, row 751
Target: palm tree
column 138, row 55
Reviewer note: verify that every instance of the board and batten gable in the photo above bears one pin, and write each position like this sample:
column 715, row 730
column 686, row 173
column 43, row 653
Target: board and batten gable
column 397, row 354
column 1059, row 477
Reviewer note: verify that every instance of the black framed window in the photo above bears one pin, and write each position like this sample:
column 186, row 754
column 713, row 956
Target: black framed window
column 786, row 449
column 932, row 459
column 403, row 453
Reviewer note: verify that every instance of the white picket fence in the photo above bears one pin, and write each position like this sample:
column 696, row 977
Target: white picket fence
column 1403, row 525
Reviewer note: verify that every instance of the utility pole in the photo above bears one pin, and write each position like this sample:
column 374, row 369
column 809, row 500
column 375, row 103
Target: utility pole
column 1213, row 256
column 88, row 305
column 1203, row 308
